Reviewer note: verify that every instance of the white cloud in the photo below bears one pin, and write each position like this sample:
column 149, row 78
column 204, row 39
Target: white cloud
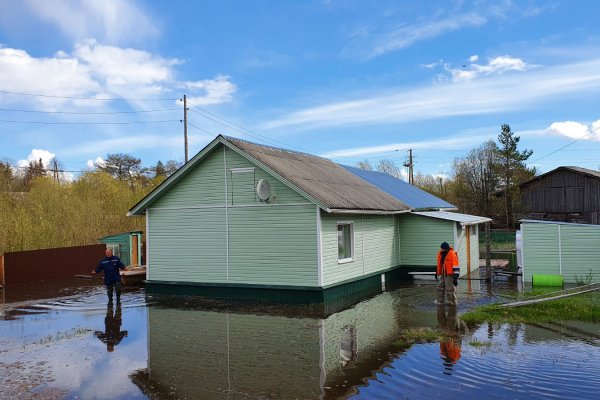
column 215, row 91
column 474, row 58
column 101, row 71
column 111, row 21
column 91, row 164
column 406, row 35
column 496, row 65
column 36, row 155
column 490, row 94
column 576, row 130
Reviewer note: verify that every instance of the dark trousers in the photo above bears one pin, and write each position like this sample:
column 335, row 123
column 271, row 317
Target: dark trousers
column 109, row 291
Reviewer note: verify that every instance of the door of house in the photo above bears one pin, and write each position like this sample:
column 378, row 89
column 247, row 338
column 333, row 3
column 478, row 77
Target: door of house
column 134, row 251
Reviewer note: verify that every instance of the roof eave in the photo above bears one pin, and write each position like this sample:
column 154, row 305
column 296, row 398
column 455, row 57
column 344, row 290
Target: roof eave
column 366, row 212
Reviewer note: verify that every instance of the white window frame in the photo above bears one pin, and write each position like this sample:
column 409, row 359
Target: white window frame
column 351, row 259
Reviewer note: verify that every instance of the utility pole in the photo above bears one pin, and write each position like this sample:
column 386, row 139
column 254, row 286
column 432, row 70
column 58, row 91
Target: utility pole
column 409, row 165
column 185, row 138
column 55, row 171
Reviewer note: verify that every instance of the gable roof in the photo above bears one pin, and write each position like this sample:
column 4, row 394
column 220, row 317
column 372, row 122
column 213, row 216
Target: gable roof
column 578, row 170
column 325, row 183
column 416, row 198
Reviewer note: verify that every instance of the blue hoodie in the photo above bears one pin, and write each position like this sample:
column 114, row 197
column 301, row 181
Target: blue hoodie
column 111, row 266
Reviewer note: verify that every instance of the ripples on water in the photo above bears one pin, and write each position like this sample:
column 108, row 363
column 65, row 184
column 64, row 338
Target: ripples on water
column 195, row 348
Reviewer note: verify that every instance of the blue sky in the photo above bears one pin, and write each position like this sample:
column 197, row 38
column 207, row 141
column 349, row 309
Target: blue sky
column 349, row 80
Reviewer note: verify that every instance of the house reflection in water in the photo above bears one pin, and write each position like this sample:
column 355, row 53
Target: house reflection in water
column 212, row 355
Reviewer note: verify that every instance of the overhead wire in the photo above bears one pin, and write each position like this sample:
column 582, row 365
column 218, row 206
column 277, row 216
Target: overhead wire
column 85, row 98
column 88, row 112
column 89, row 123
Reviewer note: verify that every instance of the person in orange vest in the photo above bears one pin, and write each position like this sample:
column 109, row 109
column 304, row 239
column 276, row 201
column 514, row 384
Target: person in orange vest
column 447, row 274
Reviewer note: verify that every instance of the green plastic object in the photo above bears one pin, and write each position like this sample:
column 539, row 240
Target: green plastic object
column 547, row 280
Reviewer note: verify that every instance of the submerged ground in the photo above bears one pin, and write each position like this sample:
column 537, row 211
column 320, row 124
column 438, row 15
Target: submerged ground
column 59, row 340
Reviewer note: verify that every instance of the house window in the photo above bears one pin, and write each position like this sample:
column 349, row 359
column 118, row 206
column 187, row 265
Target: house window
column 345, row 241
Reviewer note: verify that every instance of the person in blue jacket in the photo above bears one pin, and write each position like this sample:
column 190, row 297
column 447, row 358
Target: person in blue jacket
column 112, row 279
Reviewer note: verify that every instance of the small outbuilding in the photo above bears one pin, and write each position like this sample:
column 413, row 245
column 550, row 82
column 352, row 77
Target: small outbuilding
column 559, row 248
column 244, row 215
column 127, row 246
column 565, row 194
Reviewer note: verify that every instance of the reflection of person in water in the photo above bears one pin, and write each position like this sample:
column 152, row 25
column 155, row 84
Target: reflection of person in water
column 450, row 341
column 112, row 334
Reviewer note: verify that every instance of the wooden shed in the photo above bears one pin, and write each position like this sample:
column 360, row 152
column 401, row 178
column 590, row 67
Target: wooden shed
column 245, row 215
column 566, row 194
column 127, row 246
column 560, row 248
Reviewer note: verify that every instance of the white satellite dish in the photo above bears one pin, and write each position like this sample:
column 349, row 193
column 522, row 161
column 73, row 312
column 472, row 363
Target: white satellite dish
column 263, row 190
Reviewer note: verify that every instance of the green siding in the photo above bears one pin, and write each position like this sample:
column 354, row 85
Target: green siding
column 578, row 248
column 420, row 239
column 540, row 250
column 273, row 245
column 269, row 244
column 374, row 246
column 204, row 185
column 187, row 245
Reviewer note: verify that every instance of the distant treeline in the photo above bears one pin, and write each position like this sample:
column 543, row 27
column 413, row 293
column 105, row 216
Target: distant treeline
column 39, row 209
column 484, row 182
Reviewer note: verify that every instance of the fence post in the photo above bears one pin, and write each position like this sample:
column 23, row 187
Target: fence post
column 2, row 270
column 488, row 253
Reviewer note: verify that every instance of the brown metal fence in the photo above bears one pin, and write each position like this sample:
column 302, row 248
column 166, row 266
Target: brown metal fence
column 36, row 265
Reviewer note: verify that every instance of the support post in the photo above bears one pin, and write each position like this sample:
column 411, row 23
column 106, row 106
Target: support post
column 488, row 254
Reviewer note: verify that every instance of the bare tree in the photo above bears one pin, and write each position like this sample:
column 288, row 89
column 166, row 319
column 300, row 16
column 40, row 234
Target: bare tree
column 389, row 167
column 476, row 179
column 364, row 164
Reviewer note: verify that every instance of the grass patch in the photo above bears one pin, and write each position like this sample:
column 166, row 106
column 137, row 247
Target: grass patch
column 584, row 307
column 477, row 343
column 415, row 336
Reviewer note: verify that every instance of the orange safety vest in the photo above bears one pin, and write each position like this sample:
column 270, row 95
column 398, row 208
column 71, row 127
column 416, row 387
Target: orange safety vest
column 450, row 261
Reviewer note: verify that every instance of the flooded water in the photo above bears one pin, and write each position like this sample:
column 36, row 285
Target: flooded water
column 71, row 345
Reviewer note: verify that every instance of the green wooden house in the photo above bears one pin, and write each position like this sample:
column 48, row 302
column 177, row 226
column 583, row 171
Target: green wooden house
column 127, row 246
column 244, row 215
column 560, row 248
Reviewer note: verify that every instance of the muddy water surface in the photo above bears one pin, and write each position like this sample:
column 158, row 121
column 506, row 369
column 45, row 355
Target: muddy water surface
column 60, row 340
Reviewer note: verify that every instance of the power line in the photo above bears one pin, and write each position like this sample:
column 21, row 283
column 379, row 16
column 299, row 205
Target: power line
column 241, row 129
column 88, row 113
column 565, row 146
column 88, row 123
column 201, row 129
column 82, row 98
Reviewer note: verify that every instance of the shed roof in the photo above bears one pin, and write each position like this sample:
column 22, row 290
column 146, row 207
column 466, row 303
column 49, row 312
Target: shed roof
column 120, row 234
column 416, row 198
column 536, row 221
column 327, row 184
column 463, row 219
column 578, row 170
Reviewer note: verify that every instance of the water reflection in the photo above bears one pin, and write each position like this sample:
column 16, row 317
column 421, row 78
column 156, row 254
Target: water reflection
column 450, row 336
column 112, row 334
column 206, row 354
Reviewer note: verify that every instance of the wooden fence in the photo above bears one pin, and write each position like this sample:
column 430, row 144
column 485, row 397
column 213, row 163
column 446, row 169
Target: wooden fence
column 37, row 265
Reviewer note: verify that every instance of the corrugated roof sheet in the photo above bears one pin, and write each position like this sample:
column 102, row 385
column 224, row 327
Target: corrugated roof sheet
column 464, row 219
column 327, row 182
column 411, row 195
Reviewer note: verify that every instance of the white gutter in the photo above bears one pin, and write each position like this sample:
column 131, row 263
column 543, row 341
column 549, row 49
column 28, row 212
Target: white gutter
column 369, row 212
